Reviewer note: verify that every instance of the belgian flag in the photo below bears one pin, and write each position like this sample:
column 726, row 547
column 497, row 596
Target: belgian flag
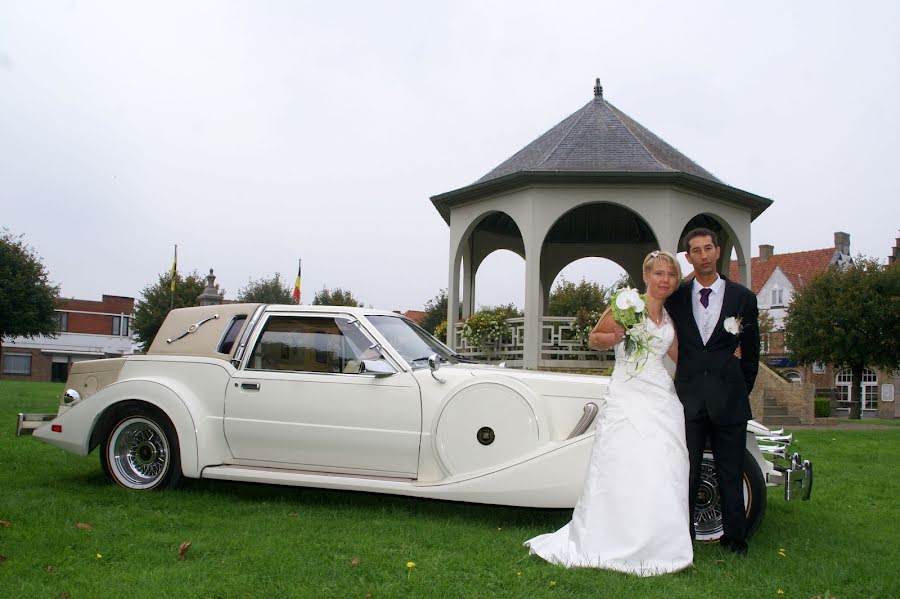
column 296, row 294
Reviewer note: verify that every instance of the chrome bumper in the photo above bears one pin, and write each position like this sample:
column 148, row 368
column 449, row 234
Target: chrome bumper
column 794, row 473
column 27, row 423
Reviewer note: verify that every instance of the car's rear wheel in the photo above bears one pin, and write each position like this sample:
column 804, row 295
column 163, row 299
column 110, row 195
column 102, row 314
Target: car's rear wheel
column 141, row 450
column 708, row 508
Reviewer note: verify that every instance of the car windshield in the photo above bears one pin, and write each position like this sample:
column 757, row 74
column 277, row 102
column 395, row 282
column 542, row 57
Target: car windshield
column 411, row 340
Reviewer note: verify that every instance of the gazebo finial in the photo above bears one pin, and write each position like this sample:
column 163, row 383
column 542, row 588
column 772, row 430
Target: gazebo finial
column 598, row 89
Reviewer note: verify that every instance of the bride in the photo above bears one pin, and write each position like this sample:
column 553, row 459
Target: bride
column 633, row 515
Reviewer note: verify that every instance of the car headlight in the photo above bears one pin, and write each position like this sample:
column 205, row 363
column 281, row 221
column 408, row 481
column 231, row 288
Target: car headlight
column 71, row 397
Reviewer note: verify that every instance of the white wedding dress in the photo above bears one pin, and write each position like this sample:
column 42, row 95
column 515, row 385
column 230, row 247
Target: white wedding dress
column 633, row 513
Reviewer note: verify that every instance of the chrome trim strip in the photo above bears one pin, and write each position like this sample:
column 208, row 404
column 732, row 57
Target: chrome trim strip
column 251, row 324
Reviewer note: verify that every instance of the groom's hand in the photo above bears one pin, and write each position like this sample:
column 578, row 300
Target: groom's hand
column 737, row 352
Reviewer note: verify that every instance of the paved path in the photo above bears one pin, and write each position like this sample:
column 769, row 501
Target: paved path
column 844, row 426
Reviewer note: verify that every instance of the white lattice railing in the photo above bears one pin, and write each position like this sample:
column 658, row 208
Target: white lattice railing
column 561, row 345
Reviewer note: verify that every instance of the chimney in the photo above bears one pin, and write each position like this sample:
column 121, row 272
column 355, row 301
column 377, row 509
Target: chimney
column 766, row 251
column 895, row 253
column 842, row 242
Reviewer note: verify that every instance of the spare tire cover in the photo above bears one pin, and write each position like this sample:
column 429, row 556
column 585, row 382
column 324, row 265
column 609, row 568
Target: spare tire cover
column 484, row 425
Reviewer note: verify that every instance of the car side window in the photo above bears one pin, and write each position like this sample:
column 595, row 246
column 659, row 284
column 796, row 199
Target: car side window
column 304, row 344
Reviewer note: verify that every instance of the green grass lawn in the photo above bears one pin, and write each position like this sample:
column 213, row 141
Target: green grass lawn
column 267, row 541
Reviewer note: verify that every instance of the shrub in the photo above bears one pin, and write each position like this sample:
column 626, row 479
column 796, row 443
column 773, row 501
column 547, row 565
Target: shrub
column 485, row 329
column 823, row 407
column 440, row 331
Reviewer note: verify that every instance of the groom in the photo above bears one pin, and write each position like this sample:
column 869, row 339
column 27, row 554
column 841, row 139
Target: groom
column 713, row 317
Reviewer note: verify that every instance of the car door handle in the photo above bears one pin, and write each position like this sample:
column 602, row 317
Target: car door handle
column 250, row 386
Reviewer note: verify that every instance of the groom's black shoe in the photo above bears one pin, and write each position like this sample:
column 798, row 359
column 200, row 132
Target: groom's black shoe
column 733, row 545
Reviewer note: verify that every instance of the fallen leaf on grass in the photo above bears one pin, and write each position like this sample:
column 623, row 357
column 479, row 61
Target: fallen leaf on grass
column 2, row 558
column 354, row 562
column 182, row 550
column 83, row 526
column 64, row 595
column 51, row 568
column 368, row 596
column 5, row 524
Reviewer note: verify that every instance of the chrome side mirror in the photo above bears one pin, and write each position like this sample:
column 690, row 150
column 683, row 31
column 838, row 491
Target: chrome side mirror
column 434, row 362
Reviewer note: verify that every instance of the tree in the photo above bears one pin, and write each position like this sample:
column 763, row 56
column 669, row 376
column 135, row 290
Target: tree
column 335, row 297
column 435, row 312
column 266, row 291
column 849, row 318
column 567, row 298
column 766, row 328
column 156, row 300
column 27, row 299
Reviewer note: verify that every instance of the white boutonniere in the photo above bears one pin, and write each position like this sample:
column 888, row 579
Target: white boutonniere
column 733, row 325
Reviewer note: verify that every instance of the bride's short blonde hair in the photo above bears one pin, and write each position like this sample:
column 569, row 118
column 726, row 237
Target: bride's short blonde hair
column 656, row 255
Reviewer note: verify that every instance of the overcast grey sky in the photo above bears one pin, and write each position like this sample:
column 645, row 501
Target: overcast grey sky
column 256, row 133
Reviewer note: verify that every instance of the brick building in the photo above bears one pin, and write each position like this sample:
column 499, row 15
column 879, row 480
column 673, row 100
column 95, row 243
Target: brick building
column 774, row 279
column 88, row 330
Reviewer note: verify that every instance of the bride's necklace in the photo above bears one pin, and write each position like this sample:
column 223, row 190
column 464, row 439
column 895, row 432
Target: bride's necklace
column 656, row 320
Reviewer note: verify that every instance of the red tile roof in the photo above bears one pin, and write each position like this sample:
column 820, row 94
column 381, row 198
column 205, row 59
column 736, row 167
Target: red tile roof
column 800, row 267
column 416, row 316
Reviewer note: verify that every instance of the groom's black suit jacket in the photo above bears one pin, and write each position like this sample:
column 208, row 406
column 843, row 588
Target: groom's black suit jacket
column 710, row 376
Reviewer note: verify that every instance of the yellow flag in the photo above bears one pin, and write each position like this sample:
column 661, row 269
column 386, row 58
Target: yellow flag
column 173, row 270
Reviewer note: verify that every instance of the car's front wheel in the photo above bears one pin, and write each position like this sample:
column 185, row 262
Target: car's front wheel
column 708, row 507
column 141, row 450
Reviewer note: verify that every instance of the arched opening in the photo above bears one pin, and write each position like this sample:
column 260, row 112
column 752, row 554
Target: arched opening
column 570, row 289
column 599, row 230
column 500, row 280
column 792, row 376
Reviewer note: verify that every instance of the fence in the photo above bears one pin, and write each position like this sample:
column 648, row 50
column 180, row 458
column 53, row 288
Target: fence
column 562, row 346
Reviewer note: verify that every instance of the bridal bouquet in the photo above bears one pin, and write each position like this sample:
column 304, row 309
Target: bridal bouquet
column 629, row 310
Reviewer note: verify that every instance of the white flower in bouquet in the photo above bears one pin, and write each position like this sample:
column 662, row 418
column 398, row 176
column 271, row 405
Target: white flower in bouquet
column 628, row 310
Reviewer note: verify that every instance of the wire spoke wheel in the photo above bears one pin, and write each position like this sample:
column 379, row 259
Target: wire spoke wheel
column 138, row 453
column 708, row 524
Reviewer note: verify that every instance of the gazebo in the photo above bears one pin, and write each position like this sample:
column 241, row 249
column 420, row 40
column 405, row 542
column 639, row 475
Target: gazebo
column 596, row 184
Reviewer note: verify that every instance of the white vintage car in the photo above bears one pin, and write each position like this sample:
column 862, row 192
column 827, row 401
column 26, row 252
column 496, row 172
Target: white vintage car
column 352, row 398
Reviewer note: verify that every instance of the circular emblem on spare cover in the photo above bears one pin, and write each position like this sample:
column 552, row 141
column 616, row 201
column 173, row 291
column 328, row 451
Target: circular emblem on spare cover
column 485, row 435
column 484, row 405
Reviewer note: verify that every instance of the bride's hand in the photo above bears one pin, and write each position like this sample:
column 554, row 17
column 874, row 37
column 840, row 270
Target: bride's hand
column 619, row 334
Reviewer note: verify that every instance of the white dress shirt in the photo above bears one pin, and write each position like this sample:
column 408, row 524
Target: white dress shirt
column 707, row 318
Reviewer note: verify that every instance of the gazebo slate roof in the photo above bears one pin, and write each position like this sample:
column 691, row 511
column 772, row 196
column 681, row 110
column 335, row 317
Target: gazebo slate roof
column 598, row 144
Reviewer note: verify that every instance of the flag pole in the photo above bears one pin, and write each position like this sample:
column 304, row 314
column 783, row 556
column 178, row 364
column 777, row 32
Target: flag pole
column 172, row 272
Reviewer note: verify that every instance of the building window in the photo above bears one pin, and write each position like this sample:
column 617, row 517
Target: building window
column 17, row 364
column 764, row 343
column 843, row 382
column 792, row 376
column 121, row 326
column 62, row 321
column 777, row 297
